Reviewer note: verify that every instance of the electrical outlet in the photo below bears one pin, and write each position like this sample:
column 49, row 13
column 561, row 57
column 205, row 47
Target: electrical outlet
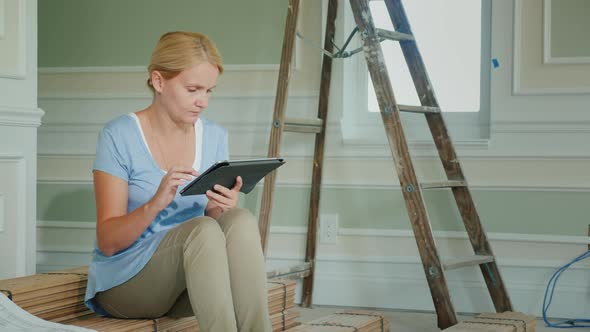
column 329, row 228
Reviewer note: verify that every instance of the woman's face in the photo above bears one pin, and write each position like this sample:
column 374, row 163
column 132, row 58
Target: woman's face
column 185, row 96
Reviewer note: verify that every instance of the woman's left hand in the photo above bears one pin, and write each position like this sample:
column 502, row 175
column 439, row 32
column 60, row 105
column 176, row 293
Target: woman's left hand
column 223, row 197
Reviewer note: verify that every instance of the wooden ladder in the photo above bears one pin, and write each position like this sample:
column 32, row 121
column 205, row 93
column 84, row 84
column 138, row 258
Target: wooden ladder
column 411, row 189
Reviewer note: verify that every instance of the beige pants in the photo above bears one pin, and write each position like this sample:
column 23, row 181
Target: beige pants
column 211, row 269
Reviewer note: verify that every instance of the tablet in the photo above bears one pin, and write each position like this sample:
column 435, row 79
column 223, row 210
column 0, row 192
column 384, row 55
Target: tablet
column 225, row 172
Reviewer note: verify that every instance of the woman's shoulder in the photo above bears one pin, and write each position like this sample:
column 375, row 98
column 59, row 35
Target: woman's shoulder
column 120, row 124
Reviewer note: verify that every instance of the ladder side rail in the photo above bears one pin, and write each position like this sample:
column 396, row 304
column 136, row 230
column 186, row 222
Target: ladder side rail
column 399, row 148
column 449, row 158
column 276, row 132
column 318, row 159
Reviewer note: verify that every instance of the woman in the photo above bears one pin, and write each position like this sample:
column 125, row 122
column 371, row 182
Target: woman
column 159, row 253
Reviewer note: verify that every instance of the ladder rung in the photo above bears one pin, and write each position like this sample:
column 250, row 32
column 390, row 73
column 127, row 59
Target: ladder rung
column 394, row 35
column 459, row 262
column 418, row 109
column 298, row 271
column 443, row 184
column 303, row 125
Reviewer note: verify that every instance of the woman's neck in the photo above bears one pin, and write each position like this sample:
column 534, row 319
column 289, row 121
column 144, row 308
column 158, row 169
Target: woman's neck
column 164, row 123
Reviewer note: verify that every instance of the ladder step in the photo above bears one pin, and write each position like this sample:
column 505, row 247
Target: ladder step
column 460, row 262
column 303, row 125
column 443, row 184
column 298, row 271
column 393, row 35
column 418, row 109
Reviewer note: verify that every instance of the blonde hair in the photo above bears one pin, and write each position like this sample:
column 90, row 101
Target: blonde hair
column 179, row 50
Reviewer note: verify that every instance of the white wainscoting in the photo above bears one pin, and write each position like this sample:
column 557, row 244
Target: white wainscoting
column 14, row 226
column 376, row 268
column 2, row 212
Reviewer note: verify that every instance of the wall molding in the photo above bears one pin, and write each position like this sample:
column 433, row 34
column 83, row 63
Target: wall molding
column 143, row 69
column 2, row 212
column 20, row 116
column 548, row 58
column 16, row 70
column 541, row 127
column 81, row 120
column 517, row 87
column 358, row 232
column 21, row 225
column 306, row 183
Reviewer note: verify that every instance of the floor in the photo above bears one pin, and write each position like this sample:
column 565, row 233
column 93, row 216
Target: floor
column 404, row 321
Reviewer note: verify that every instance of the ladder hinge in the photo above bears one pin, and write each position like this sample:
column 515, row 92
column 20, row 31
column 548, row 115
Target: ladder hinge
column 409, row 188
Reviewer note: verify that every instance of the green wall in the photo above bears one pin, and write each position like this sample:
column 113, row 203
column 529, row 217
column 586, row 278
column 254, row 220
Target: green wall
column 570, row 24
column 530, row 212
column 84, row 33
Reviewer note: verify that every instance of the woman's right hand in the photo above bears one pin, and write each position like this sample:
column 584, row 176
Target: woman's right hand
column 176, row 176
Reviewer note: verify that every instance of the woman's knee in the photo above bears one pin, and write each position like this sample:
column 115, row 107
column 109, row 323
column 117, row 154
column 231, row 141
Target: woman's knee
column 205, row 230
column 238, row 218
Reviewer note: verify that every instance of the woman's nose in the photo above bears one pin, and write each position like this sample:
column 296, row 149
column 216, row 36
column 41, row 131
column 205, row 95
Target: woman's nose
column 202, row 101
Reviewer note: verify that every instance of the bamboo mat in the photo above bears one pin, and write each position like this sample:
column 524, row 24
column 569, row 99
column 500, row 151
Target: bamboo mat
column 497, row 322
column 347, row 321
column 280, row 298
column 50, row 295
column 59, row 297
column 281, row 321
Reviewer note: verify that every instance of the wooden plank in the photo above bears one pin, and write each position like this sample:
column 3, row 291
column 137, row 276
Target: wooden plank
column 361, row 321
column 414, row 200
column 308, row 126
column 283, row 271
column 460, row 262
column 449, row 160
column 49, row 291
column 418, row 109
column 23, row 285
column 53, row 298
column 318, row 156
column 57, row 312
column 443, row 184
column 393, row 35
column 299, row 271
column 276, row 132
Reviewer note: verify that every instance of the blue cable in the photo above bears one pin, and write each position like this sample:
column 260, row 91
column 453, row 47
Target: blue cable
column 566, row 323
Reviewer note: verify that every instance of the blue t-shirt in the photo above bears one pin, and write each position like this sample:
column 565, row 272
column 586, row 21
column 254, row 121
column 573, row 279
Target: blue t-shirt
column 122, row 151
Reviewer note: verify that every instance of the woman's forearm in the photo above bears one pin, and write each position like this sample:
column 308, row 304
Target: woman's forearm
column 118, row 233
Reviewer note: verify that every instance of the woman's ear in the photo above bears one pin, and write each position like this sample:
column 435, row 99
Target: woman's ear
column 157, row 81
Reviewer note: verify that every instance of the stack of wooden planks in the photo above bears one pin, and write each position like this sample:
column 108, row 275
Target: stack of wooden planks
column 496, row 322
column 59, row 297
column 347, row 321
column 51, row 296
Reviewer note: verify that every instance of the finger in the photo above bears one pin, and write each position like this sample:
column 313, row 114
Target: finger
column 175, row 183
column 172, row 186
column 222, row 190
column 222, row 200
column 181, row 176
column 182, row 169
column 238, row 184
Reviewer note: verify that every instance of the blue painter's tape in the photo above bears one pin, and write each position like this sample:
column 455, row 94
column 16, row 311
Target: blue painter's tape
column 495, row 63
